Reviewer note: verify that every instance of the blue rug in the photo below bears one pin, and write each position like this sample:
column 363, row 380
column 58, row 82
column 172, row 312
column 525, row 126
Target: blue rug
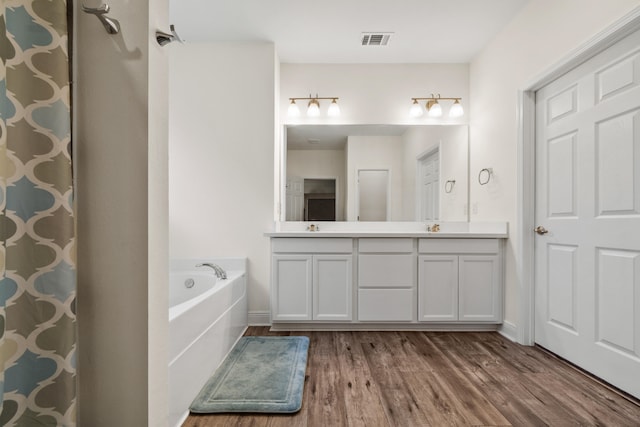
column 261, row 374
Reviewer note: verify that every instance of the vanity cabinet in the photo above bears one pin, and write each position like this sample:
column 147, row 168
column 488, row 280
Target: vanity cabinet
column 369, row 281
column 312, row 279
column 459, row 280
column 386, row 280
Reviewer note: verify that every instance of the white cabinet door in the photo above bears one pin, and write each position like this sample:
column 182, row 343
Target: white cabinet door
column 332, row 287
column 438, row 288
column 291, row 290
column 480, row 295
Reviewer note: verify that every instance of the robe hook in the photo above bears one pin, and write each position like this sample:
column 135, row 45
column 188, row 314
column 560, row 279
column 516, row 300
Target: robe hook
column 165, row 38
column 111, row 25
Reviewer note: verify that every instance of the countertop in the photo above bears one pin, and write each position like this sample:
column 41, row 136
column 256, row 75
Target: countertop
column 483, row 230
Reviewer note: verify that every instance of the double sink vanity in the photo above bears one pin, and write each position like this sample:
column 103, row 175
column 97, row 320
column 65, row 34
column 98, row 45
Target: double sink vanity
column 384, row 275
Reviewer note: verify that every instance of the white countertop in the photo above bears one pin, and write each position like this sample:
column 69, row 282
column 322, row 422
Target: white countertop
column 493, row 230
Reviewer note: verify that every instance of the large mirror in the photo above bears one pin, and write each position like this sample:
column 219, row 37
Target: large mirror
column 375, row 173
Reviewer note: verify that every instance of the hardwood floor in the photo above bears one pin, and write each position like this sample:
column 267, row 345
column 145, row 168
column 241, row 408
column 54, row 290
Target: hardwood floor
column 373, row 379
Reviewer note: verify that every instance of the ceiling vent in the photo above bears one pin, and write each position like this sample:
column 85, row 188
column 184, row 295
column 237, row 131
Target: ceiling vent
column 375, row 39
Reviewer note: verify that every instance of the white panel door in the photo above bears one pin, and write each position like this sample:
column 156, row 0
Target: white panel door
column 295, row 199
column 587, row 266
column 430, row 187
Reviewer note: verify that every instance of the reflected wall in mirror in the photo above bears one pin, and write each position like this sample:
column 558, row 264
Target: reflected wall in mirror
column 425, row 170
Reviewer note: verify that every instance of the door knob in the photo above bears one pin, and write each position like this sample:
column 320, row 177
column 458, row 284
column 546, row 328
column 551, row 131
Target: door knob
column 541, row 230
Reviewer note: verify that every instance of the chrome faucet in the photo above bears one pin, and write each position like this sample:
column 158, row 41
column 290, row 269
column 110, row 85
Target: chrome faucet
column 220, row 273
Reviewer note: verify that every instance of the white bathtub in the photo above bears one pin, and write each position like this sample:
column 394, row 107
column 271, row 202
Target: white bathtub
column 205, row 321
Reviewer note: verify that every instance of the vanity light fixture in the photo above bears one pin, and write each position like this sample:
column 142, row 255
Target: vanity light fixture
column 433, row 107
column 313, row 107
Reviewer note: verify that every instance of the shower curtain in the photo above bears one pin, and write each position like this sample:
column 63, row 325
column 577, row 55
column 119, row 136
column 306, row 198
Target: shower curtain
column 37, row 222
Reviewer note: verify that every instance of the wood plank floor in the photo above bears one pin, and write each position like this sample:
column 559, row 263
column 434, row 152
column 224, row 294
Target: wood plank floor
column 377, row 379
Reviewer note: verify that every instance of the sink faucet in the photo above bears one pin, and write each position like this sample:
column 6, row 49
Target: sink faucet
column 220, row 273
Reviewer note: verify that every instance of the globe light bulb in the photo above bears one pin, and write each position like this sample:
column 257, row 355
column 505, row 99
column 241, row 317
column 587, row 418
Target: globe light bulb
column 314, row 108
column 456, row 110
column 334, row 109
column 293, row 111
column 416, row 109
column 435, row 110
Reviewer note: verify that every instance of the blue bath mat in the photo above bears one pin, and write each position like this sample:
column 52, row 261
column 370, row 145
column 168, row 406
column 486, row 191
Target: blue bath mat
column 261, row 374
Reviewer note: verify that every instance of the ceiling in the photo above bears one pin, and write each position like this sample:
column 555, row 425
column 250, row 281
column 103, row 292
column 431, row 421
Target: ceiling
column 329, row 31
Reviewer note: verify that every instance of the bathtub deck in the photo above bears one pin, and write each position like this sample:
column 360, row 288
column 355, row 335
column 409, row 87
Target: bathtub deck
column 437, row 378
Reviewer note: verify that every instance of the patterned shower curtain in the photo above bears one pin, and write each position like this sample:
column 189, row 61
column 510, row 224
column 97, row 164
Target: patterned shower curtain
column 37, row 222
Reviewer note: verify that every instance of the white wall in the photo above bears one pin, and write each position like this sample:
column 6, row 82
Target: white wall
column 373, row 93
column 120, row 160
column 542, row 34
column 221, row 155
column 321, row 164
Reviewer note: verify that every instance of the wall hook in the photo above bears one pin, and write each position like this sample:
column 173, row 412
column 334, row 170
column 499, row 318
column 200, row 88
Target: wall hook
column 448, row 186
column 111, row 25
column 484, row 176
column 165, row 38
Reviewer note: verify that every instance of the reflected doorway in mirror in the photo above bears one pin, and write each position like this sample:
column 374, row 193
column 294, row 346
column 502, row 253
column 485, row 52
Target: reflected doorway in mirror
column 429, row 186
column 373, row 195
column 311, row 199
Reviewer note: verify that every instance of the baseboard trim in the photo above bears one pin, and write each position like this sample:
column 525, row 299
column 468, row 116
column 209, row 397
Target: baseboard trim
column 451, row 327
column 509, row 331
column 259, row 318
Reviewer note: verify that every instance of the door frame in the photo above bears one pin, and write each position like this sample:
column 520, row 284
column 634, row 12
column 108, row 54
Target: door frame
column 525, row 260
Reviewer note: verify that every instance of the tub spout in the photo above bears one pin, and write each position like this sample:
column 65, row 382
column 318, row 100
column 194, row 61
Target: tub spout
column 220, row 273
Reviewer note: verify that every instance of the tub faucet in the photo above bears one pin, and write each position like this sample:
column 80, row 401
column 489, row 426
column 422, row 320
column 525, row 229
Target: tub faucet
column 220, row 273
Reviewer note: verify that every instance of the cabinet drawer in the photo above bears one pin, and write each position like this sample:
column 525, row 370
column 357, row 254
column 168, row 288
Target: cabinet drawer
column 383, row 305
column 385, row 245
column 317, row 245
column 386, row 271
column 467, row 246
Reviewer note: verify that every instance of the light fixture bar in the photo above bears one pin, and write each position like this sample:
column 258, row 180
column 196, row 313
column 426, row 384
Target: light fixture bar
column 316, row 97
column 313, row 108
column 433, row 107
column 433, row 98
